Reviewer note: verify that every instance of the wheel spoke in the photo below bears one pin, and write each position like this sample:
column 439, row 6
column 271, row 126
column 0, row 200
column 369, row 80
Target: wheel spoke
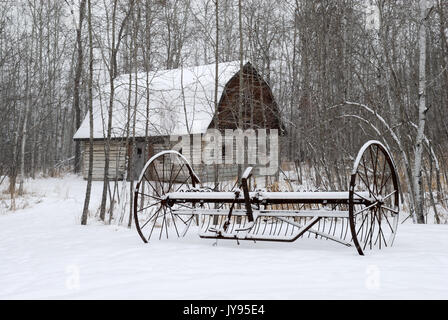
column 366, row 167
column 389, row 195
column 374, row 167
column 177, row 174
column 382, row 177
column 150, row 218
column 174, row 222
column 154, row 204
column 155, row 221
column 387, row 220
column 370, row 233
column 166, row 223
column 362, row 224
column 187, row 225
column 366, row 183
column 149, row 182
column 361, row 196
column 170, row 181
column 183, row 183
column 147, row 195
column 385, row 182
column 390, row 209
column 378, row 218
column 163, row 222
column 185, row 222
column 366, row 208
column 158, row 177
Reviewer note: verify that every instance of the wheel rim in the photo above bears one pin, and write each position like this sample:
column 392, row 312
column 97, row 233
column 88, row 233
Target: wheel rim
column 373, row 225
column 165, row 172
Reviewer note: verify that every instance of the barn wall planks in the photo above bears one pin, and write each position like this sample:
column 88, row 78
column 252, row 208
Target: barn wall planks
column 116, row 163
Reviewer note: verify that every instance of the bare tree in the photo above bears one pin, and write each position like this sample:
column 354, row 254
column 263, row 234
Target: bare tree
column 85, row 210
column 113, row 72
column 241, row 79
column 422, row 110
column 77, row 79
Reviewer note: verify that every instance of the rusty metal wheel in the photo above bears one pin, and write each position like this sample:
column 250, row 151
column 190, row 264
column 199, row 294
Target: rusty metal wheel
column 374, row 224
column 166, row 172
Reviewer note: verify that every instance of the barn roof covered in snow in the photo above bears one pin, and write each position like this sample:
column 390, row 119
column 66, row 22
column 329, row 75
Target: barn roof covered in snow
column 181, row 101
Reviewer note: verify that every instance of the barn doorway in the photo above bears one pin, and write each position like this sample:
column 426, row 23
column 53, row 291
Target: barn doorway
column 138, row 159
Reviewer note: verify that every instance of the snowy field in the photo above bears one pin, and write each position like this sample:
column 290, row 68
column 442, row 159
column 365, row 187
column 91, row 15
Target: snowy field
column 45, row 253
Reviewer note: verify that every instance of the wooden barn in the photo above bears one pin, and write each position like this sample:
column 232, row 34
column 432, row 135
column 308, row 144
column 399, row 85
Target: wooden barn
column 154, row 106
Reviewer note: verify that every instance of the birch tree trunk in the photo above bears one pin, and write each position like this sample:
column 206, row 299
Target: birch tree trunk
column 422, row 110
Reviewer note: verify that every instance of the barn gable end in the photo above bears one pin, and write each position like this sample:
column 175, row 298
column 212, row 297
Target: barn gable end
column 259, row 109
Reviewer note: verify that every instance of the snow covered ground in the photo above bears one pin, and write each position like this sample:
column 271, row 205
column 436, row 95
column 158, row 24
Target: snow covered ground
column 45, row 253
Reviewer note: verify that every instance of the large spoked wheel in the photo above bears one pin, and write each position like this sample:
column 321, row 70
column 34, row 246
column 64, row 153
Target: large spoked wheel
column 154, row 218
column 374, row 219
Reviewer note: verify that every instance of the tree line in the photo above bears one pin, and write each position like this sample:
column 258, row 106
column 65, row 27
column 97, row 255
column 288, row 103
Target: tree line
column 341, row 71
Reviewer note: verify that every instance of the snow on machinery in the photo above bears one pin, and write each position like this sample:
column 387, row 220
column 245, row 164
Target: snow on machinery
column 169, row 199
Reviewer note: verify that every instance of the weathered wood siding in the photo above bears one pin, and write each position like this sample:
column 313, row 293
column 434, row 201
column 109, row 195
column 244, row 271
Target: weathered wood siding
column 205, row 172
column 116, row 164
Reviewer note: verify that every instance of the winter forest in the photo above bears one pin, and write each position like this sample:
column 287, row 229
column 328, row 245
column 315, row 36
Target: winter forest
column 342, row 73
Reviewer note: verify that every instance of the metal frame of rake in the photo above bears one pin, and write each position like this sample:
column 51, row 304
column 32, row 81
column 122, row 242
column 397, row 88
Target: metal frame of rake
column 169, row 200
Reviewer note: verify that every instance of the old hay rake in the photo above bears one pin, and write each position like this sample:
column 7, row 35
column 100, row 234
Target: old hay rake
column 169, row 199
